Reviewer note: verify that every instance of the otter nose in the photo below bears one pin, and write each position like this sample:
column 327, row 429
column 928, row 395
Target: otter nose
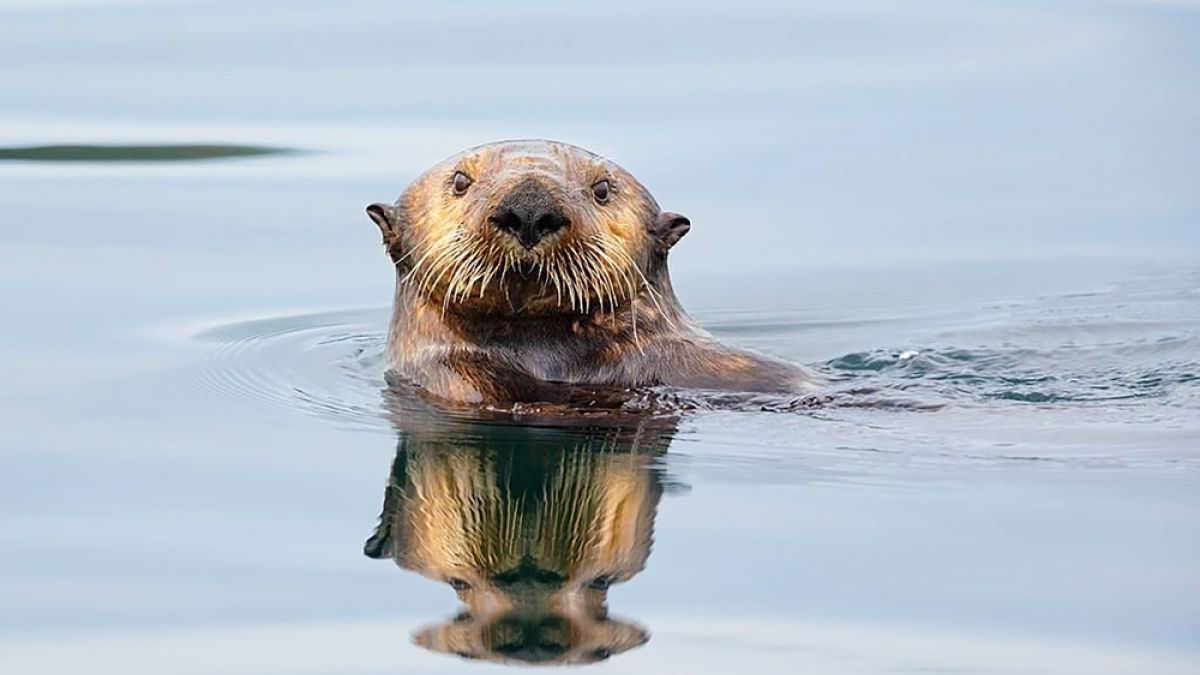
column 530, row 213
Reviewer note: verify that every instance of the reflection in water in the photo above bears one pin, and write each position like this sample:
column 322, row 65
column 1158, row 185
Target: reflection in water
column 531, row 526
column 133, row 153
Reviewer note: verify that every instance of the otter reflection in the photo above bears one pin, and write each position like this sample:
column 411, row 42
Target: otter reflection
column 530, row 526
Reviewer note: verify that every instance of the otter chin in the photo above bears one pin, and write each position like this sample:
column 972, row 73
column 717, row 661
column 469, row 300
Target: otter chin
column 527, row 271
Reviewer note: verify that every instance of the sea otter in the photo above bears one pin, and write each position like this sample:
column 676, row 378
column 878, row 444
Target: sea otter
column 527, row 271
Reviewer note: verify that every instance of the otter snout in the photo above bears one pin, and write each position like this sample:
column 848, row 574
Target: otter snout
column 530, row 213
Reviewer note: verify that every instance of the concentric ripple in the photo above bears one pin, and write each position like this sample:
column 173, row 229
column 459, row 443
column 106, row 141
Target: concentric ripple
column 328, row 364
column 1103, row 379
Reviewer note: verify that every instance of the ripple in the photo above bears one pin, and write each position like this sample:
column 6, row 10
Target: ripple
column 331, row 363
column 1101, row 405
column 1063, row 375
column 328, row 364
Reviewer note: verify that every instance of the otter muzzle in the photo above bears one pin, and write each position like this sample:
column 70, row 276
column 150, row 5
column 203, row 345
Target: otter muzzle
column 529, row 213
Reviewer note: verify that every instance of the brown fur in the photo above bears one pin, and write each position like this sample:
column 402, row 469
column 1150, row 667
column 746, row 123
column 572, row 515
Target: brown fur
column 477, row 318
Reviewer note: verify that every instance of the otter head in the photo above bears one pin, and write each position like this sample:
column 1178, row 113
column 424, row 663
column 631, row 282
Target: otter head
column 531, row 227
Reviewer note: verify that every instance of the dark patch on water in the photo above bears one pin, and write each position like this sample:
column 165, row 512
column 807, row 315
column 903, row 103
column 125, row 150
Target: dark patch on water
column 135, row 153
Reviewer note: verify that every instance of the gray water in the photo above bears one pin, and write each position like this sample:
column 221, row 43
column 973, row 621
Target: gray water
column 978, row 219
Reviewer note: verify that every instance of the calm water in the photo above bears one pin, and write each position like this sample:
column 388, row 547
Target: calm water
column 978, row 219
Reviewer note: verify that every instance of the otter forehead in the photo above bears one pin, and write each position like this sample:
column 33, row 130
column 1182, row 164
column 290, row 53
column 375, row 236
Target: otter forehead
column 511, row 160
column 534, row 150
column 531, row 153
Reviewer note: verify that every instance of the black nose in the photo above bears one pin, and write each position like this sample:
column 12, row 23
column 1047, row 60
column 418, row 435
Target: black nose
column 530, row 213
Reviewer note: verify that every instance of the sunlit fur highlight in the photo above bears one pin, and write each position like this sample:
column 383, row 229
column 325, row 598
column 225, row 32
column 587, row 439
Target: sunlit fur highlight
column 456, row 258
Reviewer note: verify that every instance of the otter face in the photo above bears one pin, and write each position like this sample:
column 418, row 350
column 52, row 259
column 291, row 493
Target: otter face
column 534, row 227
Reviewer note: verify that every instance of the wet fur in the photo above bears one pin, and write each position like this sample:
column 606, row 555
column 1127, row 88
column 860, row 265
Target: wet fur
column 478, row 320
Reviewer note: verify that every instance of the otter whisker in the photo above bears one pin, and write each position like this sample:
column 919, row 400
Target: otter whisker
column 563, row 272
column 477, row 274
column 509, row 261
column 557, row 279
column 650, row 292
column 479, row 271
column 600, row 282
column 592, row 280
column 463, row 281
column 579, row 275
column 487, row 278
column 596, row 262
column 433, row 276
column 458, row 267
column 404, row 257
column 607, row 262
column 588, row 274
column 610, row 290
column 614, row 261
column 440, row 246
column 484, row 277
column 567, row 270
column 654, row 298
column 577, row 279
column 417, row 267
column 563, row 269
column 450, row 250
column 459, row 283
column 493, row 252
column 451, row 285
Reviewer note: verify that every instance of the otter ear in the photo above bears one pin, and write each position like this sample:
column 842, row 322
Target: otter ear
column 388, row 220
column 669, row 228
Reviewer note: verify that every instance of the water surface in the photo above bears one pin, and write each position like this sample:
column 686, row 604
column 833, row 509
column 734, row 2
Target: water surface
column 977, row 219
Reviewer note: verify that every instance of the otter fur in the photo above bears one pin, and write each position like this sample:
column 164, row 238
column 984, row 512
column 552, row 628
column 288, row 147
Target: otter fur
column 529, row 270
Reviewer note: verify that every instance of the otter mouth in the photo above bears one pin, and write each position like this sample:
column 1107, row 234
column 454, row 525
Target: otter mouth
column 577, row 275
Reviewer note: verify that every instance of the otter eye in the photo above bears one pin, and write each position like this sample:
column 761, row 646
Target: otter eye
column 600, row 191
column 602, row 653
column 459, row 585
column 461, row 182
column 600, row 583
